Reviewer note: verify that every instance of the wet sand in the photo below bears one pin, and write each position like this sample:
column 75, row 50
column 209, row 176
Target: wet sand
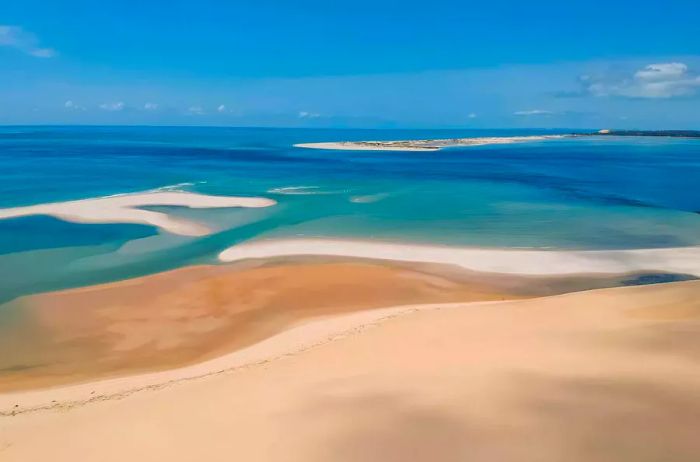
column 192, row 314
column 605, row 375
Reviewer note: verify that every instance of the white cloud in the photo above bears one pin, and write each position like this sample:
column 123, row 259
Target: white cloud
column 472, row 115
column 150, row 106
column 112, row 107
column 655, row 81
column 308, row 115
column 43, row 53
column 661, row 72
column 26, row 42
column 71, row 106
column 221, row 108
column 534, row 112
column 196, row 110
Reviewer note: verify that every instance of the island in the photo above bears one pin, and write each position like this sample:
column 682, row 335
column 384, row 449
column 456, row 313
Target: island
column 438, row 144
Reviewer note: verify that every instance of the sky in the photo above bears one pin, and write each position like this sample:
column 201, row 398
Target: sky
column 361, row 63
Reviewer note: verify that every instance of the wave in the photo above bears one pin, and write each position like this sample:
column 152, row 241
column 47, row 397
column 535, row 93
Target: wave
column 369, row 198
column 177, row 186
column 303, row 191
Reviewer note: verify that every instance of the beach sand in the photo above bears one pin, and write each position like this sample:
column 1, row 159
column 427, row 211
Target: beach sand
column 192, row 314
column 187, row 315
column 124, row 208
column 605, row 375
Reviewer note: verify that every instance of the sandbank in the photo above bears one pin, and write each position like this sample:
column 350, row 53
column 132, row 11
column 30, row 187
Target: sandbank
column 684, row 260
column 125, row 209
column 423, row 145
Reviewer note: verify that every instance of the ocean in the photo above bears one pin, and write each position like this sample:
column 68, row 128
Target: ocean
column 571, row 193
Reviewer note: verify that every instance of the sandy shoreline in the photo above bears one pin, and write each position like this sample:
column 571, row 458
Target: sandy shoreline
column 367, row 351
column 189, row 315
column 192, row 314
column 578, row 377
column 125, row 209
column 291, row 341
column 683, row 260
column 423, row 145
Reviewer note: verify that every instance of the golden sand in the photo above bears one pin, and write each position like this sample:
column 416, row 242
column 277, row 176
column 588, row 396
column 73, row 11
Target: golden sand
column 188, row 315
column 579, row 377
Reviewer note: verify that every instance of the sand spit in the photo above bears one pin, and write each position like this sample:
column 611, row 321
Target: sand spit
column 423, row 145
column 125, row 209
column 684, row 260
column 606, row 375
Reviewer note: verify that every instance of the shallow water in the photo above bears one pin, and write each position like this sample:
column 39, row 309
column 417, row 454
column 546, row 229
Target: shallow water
column 595, row 193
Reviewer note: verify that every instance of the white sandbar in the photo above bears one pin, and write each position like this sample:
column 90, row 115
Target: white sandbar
column 125, row 209
column 685, row 260
column 364, row 146
column 423, row 145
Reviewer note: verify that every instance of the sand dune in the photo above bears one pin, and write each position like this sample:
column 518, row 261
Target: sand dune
column 606, row 375
column 685, row 260
column 125, row 209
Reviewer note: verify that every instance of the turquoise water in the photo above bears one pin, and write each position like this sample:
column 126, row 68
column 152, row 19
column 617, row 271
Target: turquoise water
column 594, row 193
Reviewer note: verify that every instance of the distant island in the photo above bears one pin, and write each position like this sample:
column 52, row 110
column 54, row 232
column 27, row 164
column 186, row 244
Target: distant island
column 438, row 144
column 423, row 145
column 668, row 133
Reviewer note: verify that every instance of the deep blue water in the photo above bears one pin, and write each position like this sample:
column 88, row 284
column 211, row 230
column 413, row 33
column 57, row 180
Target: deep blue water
column 597, row 193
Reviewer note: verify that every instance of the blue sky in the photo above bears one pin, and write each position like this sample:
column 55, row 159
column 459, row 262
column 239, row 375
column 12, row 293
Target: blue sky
column 497, row 63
